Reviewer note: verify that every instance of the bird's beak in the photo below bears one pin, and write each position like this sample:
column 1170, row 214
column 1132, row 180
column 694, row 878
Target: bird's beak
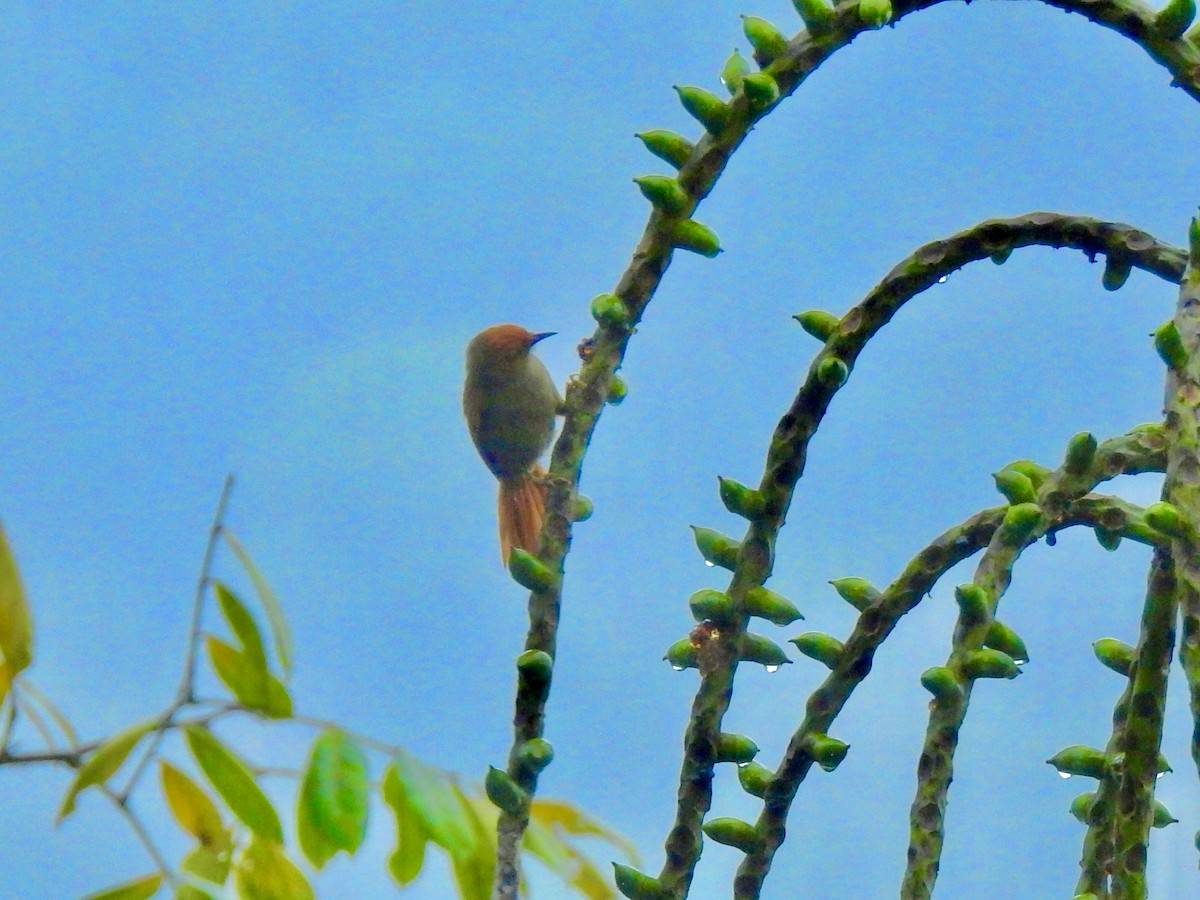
column 542, row 336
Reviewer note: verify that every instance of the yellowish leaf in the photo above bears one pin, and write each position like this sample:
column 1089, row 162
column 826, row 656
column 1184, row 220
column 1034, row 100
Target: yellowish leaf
column 141, row 889
column 193, row 810
column 265, row 873
column 16, row 622
column 103, row 764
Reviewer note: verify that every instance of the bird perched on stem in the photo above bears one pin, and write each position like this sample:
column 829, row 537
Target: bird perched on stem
column 510, row 402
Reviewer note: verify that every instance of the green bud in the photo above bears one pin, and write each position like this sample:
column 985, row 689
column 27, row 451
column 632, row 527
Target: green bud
column 1166, row 518
column 1081, row 806
column 761, row 89
column 1000, row 257
column 636, row 885
column 582, row 508
column 1031, row 470
column 1173, row 19
column 758, row 649
column 741, row 500
column 535, row 754
column 1115, row 655
column 736, row 68
column 667, row 146
column 1020, row 521
column 536, row 665
column 1109, row 540
column 504, row 792
column 1016, row 487
column 610, row 310
column 1080, row 760
column 825, row 751
column 716, row 548
column 817, row 16
column 858, row 592
column 711, row 605
column 733, row 833
column 823, row 648
column 665, row 193
column 875, row 13
column 682, row 655
column 688, row 234
column 832, row 372
column 1001, row 637
column 1081, row 450
column 989, row 663
column 1088, row 896
column 705, row 107
column 768, row 42
column 940, row 682
column 735, row 748
column 820, row 324
column 1116, row 271
column 529, row 571
column 974, row 603
column 617, row 389
column 1194, row 242
column 775, row 608
column 1162, row 816
column 1169, row 346
column 754, row 778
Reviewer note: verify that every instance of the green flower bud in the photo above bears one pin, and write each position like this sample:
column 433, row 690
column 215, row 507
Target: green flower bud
column 582, row 508
column 875, row 13
column 688, row 234
column 1016, row 487
column 758, row 649
column 710, row 605
column 1173, row 19
column 1080, row 760
column 529, row 571
column 817, row 16
column 989, row 663
column 1166, row 518
column 1116, row 271
column 665, row 193
column 617, row 390
column 1001, row 637
column 733, row 833
column 858, row 592
column 1020, row 521
column 775, row 608
column 636, row 885
column 832, row 372
column 823, row 648
column 536, row 665
column 940, row 682
column 535, row 754
column 735, row 748
column 974, row 603
column 820, row 324
column 768, row 42
column 761, row 89
column 1081, row 450
column 705, row 107
column 1109, row 540
column 1162, row 816
column 1169, row 346
column 716, row 548
column 667, row 146
column 682, row 655
column 1088, row 896
column 609, row 309
column 1031, row 470
column 504, row 792
column 1081, row 806
column 825, row 751
column 1000, row 257
column 1194, row 241
column 741, row 500
column 754, row 778
column 1115, row 655
column 736, row 68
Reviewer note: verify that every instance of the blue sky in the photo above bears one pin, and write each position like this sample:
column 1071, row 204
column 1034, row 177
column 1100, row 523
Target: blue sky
column 255, row 238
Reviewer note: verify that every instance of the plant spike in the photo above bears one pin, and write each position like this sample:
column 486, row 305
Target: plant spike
column 668, row 146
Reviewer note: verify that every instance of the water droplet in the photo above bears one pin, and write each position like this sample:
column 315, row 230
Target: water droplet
column 943, row 279
column 1020, row 662
column 677, row 668
column 828, row 767
column 709, row 563
column 1160, row 775
column 772, row 668
column 743, row 765
column 1064, row 775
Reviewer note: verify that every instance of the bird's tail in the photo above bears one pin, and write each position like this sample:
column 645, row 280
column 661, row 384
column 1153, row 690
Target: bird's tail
column 522, row 509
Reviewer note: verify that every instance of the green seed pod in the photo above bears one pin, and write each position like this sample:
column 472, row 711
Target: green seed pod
column 1016, row 487
column 581, row 509
column 1116, row 271
column 688, row 234
column 1194, row 241
column 1080, row 760
column 1031, row 470
column 820, row 324
column 665, row 193
column 754, row 778
column 682, row 655
column 989, row 663
column 825, row 751
column 705, row 107
column 940, row 682
column 1109, row 540
column 529, row 571
column 758, row 649
column 1020, row 521
column 667, row 146
column 736, row 68
column 1169, row 346
column 1081, row 806
column 824, row 648
column 504, row 792
column 875, row 13
column 1088, row 896
column 832, row 372
column 636, row 885
column 536, row 665
column 1162, row 816
column 609, row 309
column 716, row 548
column 1166, row 518
column 1000, row 257
column 1115, row 655
column 741, row 500
column 775, row 608
column 733, row 833
column 735, row 748
column 1173, row 19
column 768, row 41
column 974, row 603
column 617, row 390
column 817, row 16
column 858, row 592
column 535, row 754
column 761, row 89
column 1081, row 450
column 712, row 606
column 1001, row 637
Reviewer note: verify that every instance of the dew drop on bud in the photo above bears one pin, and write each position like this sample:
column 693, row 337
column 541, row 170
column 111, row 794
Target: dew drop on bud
column 709, row 563
column 772, row 668
column 943, row 279
column 1064, row 775
column 743, row 765
column 677, row 668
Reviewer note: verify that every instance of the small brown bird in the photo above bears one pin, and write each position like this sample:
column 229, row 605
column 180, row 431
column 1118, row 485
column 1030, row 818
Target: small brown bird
column 510, row 402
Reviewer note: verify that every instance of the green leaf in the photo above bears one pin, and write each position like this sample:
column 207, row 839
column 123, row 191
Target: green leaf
column 192, row 808
column 210, row 865
column 437, row 804
column 244, row 628
column 191, row 892
column 475, row 872
column 141, row 889
column 411, row 837
column 265, row 873
column 334, row 796
column 254, row 687
column 280, row 630
column 556, row 814
column 103, row 764
column 16, row 623
column 234, row 782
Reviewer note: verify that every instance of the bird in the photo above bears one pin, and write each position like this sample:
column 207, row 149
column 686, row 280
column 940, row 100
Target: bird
column 510, row 403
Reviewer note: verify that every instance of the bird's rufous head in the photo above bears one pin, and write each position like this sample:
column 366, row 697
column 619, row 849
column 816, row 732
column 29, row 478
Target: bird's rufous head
column 505, row 341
